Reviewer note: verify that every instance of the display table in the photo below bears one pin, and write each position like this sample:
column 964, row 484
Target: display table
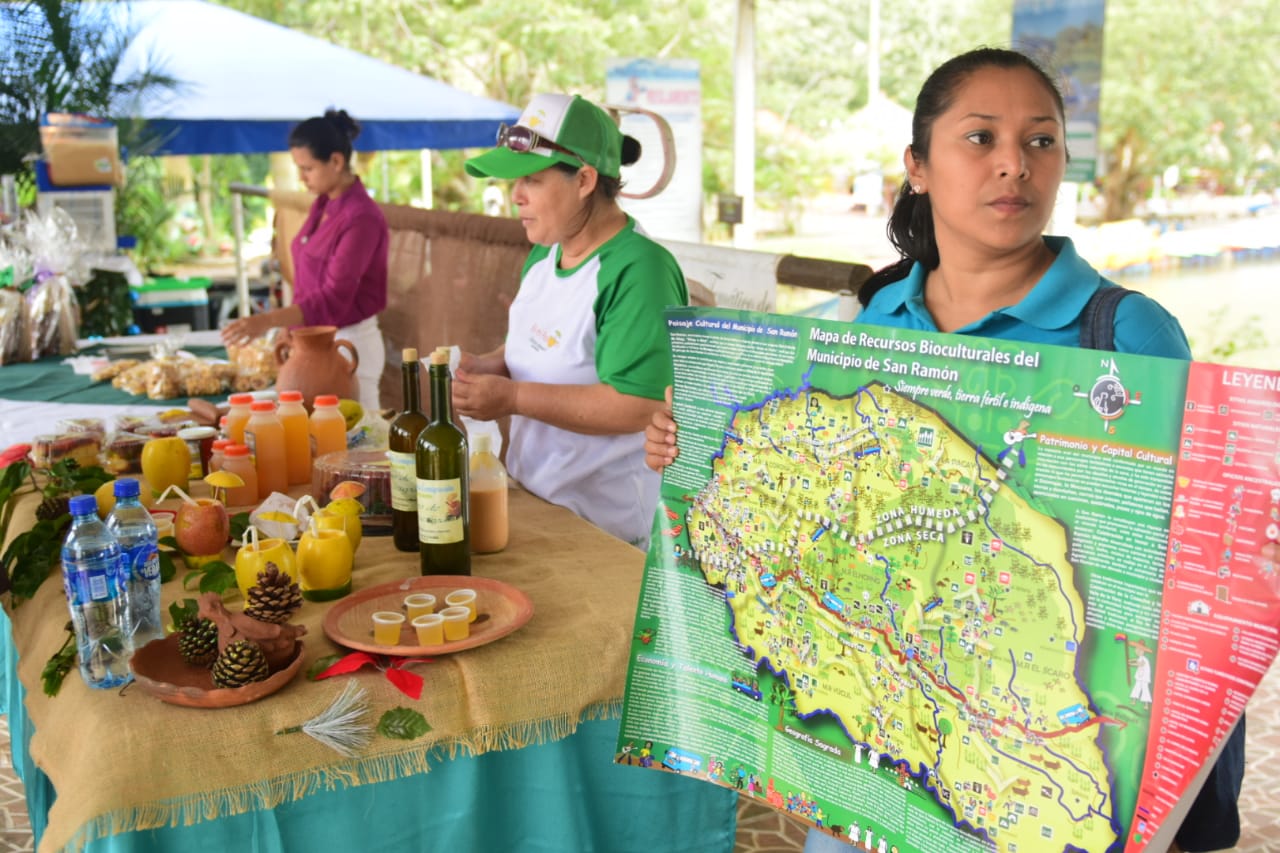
column 35, row 395
column 519, row 755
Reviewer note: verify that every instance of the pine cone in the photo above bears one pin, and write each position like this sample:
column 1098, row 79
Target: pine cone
column 275, row 598
column 240, row 663
column 51, row 508
column 198, row 643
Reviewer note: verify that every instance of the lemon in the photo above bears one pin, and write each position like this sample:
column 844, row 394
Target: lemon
column 166, row 462
column 343, row 514
column 352, row 412
column 105, row 495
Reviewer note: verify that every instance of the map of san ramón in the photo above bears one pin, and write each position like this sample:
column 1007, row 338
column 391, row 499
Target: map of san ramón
column 894, row 576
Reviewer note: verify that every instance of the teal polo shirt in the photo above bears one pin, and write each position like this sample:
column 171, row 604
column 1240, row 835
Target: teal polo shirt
column 1049, row 314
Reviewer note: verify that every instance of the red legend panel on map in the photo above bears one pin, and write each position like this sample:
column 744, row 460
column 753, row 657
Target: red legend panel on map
column 1220, row 595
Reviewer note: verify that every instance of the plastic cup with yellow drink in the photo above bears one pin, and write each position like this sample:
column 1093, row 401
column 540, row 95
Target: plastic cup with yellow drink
column 386, row 627
column 457, row 623
column 463, row 598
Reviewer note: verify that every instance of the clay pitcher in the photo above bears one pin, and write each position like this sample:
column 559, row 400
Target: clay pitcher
column 311, row 361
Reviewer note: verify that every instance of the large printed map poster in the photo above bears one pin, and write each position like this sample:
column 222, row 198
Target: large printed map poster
column 908, row 587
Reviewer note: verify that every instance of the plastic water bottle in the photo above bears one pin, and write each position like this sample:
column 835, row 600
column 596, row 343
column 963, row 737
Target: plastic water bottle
column 135, row 530
column 97, row 595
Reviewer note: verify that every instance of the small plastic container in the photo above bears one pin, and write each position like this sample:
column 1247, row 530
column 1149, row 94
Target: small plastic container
column 76, row 425
column 48, row 450
column 371, row 468
column 123, row 453
column 159, row 430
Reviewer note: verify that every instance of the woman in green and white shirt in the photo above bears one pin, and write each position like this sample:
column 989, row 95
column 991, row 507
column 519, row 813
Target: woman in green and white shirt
column 586, row 359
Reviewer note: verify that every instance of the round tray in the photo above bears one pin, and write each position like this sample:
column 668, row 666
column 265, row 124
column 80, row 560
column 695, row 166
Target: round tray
column 500, row 609
column 159, row 669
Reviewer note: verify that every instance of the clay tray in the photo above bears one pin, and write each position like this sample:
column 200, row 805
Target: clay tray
column 500, row 609
column 159, row 669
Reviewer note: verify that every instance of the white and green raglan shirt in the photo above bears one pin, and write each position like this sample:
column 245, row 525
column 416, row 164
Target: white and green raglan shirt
column 601, row 321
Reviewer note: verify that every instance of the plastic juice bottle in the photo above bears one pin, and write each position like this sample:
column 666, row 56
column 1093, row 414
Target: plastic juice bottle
column 489, row 527
column 238, row 416
column 235, row 458
column 215, row 455
column 297, row 437
column 264, row 434
column 328, row 426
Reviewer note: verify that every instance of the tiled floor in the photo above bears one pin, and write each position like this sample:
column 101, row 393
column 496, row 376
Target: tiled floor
column 763, row 830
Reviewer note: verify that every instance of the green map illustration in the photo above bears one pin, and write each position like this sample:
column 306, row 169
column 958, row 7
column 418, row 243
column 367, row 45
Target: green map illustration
column 880, row 564
column 906, row 587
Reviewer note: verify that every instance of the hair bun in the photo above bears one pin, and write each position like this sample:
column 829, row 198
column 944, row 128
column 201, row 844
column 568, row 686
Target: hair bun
column 630, row 150
column 344, row 122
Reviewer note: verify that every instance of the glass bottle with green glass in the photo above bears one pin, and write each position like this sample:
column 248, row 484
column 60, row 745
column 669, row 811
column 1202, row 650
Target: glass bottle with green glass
column 402, row 443
column 444, row 541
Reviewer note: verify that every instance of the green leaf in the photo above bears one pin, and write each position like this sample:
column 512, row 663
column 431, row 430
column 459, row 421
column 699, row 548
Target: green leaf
column 12, row 478
column 56, row 668
column 321, row 665
column 403, row 724
column 183, row 611
column 216, row 576
column 239, row 524
column 30, row 556
column 168, row 568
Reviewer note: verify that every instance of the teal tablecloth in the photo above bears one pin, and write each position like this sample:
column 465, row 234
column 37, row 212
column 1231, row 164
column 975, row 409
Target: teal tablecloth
column 560, row 797
column 52, row 381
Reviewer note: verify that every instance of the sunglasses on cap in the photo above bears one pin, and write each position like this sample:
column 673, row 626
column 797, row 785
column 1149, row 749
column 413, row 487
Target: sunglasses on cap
column 523, row 140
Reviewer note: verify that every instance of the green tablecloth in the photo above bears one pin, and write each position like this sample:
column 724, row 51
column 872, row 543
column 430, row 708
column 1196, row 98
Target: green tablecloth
column 52, row 381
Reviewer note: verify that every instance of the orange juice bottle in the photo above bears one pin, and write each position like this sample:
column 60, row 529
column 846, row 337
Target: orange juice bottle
column 238, row 416
column 235, row 458
column 216, row 455
column 264, row 434
column 328, row 426
column 297, row 437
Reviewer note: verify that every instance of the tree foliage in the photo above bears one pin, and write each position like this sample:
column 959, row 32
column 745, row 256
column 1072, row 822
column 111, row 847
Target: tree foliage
column 1166, row 101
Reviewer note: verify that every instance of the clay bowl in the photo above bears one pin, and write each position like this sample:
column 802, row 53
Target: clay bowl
column 159, row 669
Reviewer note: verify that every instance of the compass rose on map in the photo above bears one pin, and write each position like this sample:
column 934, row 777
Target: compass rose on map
column 1108, row 396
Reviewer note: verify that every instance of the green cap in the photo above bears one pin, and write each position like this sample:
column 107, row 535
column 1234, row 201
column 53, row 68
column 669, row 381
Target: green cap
column 571, row 122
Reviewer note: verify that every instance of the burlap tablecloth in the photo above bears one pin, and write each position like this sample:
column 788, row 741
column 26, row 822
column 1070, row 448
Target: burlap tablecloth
column 122, row 761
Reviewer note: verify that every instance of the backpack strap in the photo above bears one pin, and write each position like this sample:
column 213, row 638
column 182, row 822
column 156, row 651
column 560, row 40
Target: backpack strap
column 1098, row 319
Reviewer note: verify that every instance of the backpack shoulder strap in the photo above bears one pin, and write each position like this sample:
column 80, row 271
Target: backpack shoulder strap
column 1098, row 319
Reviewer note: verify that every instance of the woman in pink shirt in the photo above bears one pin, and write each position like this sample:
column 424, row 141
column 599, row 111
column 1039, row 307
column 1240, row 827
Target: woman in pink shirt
column 339, row 255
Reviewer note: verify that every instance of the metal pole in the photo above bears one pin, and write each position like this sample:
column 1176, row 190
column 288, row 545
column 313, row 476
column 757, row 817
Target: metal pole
column 744, row 123
column 242, row 277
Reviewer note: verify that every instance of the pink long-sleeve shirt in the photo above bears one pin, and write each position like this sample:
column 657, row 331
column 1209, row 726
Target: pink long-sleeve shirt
column 340, row 260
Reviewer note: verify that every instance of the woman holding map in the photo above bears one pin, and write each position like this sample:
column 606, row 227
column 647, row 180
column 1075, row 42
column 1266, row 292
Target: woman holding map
column 987, row 156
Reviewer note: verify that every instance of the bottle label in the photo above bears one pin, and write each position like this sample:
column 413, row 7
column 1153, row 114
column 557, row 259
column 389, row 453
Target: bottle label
column 404, row 481
column 91, row 580
column 441, row 512
column 142, row 561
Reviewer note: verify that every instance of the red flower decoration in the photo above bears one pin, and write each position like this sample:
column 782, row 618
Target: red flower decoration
column 408, row 683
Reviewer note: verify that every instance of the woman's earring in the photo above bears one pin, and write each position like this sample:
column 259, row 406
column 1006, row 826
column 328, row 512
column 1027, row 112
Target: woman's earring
column 915, row 188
